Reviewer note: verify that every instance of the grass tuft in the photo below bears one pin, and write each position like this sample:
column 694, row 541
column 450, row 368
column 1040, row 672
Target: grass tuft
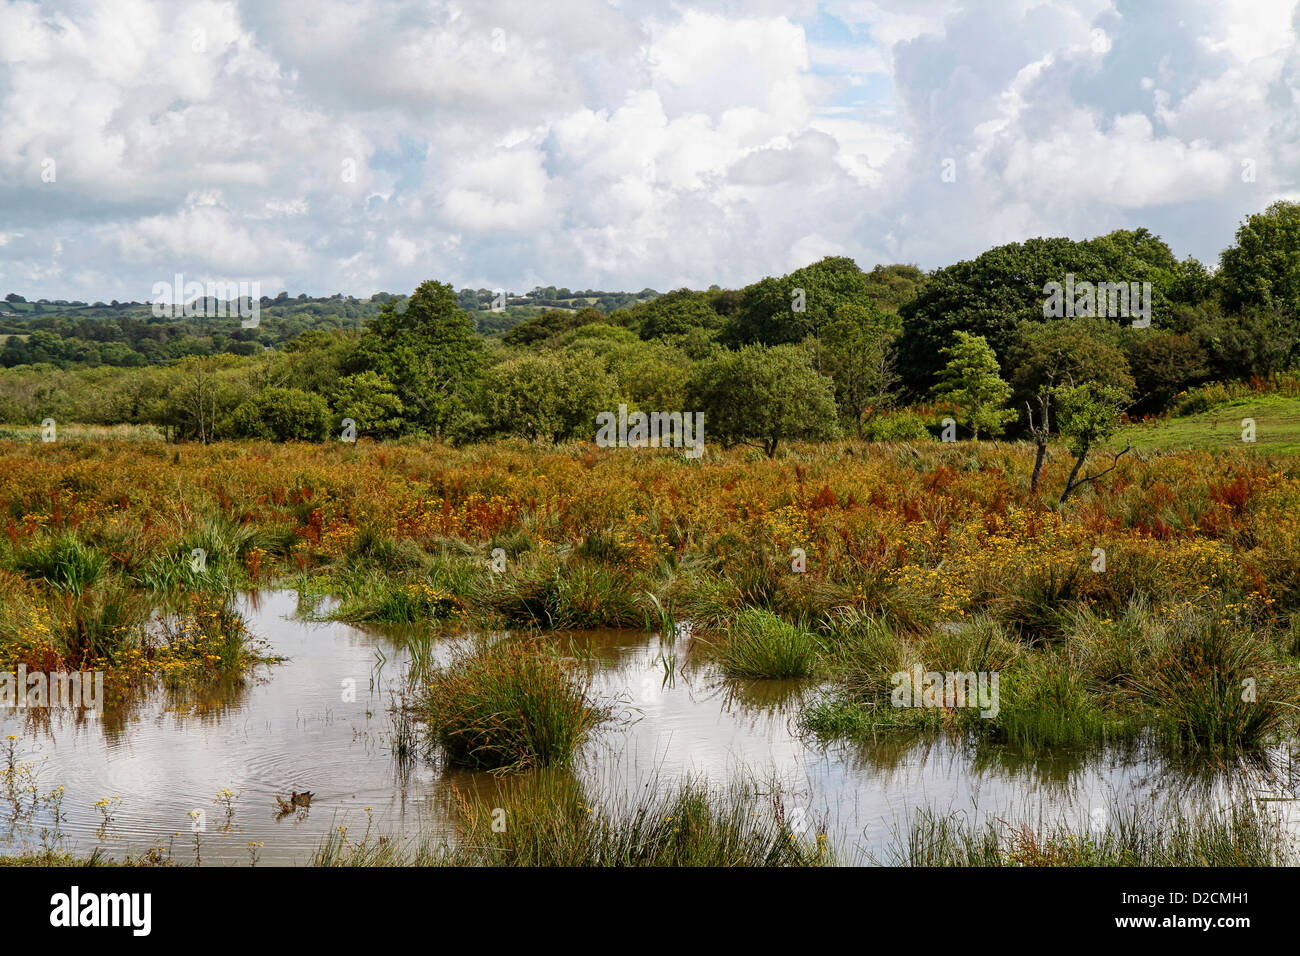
column 509, row 705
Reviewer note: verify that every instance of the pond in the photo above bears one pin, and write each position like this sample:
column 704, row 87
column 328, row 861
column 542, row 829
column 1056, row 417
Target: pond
column 320, row 721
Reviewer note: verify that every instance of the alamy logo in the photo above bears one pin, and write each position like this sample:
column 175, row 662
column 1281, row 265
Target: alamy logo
column 212, row 300
column 653, row 430
column 1086, row 300
column 950, row 689
column 103, row 909
column 64, row 690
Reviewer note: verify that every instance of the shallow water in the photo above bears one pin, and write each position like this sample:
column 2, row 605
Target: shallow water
column 292, row 728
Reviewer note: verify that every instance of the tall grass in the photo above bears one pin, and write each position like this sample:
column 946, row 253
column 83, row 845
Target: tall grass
column 1047, row 703
column 1192, row 677
column 758, row 644
column 549, row 819
column 1036, row 605
column 1213, row 685
column 548, row 591
column 63, row 560
column 374, row 597
column 1145, row 834
column 509, row 705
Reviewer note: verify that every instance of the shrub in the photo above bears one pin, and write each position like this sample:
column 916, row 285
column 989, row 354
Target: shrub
column 899, row 426
column 280, row 414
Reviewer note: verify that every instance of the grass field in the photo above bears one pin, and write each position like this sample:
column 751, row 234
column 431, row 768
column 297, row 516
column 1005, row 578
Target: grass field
column 1277, row 428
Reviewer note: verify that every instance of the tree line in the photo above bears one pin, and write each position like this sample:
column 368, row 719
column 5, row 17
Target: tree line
column 826, row 350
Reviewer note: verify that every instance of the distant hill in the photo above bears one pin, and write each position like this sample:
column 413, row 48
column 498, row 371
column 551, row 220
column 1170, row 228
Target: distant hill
column 69, row 333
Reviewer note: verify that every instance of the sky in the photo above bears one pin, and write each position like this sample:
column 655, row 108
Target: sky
column 359, row 146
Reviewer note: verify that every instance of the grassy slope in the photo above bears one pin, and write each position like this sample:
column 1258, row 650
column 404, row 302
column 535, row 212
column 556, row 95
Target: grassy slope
column 1277, row 427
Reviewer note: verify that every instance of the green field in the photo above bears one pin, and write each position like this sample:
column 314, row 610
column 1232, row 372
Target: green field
column 1277, row 427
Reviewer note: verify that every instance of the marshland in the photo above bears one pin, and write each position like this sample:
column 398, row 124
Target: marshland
column 647, row 655
column 938, row 579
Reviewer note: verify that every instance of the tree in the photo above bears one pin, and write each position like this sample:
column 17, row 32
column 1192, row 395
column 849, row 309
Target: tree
column 1164, row 364
column 1255, row 343
column 599, row 337
column 1047, row 354
column 673, row 313
column 650, row 374
column 1088, row 415
column 856, row 351
column 371, row 402
column 762, row 396
column 553, row 396
column 281, row 414
column 789, row 309
column 1003, row 287
column 971, row 381
column 1262, row 269
column 426, row 346
column 198, row 397
column 316, row 360
column 547, row 326
column 892, row 286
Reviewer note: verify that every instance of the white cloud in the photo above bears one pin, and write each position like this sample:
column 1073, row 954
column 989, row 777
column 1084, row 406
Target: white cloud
column 376, row 143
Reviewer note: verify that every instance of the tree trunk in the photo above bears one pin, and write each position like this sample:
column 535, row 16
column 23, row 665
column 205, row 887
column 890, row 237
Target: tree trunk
column 1040, row 454
column 1042, row 433
column 1074, row 473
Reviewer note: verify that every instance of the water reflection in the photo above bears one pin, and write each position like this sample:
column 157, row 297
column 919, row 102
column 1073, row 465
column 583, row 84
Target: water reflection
column 321, row 721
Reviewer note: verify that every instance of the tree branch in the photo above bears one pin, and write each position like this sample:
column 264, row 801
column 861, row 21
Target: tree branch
column 1105, row 471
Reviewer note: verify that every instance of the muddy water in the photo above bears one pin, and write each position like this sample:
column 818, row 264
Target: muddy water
column 320, row 722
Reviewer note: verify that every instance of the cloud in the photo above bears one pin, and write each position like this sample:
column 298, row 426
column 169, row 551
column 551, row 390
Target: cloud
column 377, row 143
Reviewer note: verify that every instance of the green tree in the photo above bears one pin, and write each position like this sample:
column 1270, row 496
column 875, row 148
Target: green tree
column 280, row 414
column 1088, row 414
column 971, row 381
column 1047, row 354
column 316, row 360
column 371, row 401
column 1255, row 343
column 674, row 313
column 856, row 351
column 427, row 347
column 553, row 396
column 763, row 396
column 599, row 337
column 650, row 375
column 199, row 392
column 1262, row 269
column 1003, row 287
column 789, row 309
column 545, row 327
column 1164, row 364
